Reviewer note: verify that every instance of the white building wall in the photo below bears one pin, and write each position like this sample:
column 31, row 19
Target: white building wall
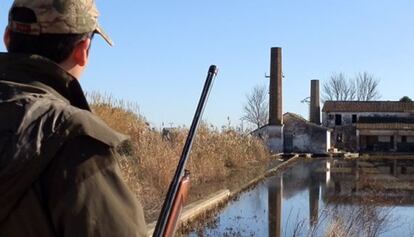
column 272, row 136
column 328, row 140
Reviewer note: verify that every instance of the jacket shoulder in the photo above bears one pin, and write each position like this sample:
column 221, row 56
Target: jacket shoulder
column 82, row 122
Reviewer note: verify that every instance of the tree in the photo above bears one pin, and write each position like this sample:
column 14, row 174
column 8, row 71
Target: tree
column 363, row 87
column 366, row 87
column 338, row 88
column 256, row 109
column 406, row 99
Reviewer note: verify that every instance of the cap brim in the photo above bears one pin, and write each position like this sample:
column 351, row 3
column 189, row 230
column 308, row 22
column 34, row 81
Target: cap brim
column 102, row 33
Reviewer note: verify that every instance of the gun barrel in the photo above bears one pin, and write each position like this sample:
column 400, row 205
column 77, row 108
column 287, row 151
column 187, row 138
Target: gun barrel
column 172, row 197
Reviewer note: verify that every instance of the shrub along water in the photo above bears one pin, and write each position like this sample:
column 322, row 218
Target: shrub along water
column 154, row 153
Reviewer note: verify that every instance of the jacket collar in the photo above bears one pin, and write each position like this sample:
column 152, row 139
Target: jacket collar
column 42, row 72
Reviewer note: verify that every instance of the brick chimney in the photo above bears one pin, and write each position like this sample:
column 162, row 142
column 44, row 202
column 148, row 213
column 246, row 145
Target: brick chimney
column 275, row 97
column 315, row 109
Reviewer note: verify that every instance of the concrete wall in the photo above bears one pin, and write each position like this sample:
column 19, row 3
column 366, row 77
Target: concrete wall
column 273, row 137
column 300, row 136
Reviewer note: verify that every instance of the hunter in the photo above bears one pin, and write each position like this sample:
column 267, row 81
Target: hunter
column 59, row 174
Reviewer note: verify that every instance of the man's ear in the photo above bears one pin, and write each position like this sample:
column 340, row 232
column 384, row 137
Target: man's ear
column 6, row 38
column 80, row 52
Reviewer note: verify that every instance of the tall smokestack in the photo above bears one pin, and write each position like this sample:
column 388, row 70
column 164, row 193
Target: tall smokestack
column 275, row 100
column 315, row 109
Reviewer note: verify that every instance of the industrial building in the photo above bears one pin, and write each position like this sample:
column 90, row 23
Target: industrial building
column 352, row 126
column 291, row 133
column 303, row 136
column 370, row 126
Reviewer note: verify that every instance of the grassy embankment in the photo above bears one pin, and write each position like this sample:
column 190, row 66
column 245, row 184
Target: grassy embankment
column 219, row 156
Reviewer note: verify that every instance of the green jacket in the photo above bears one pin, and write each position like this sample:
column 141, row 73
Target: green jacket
column 58, row 170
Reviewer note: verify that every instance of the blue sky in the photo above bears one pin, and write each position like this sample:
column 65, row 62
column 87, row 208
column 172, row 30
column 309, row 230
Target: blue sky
column 163, row 50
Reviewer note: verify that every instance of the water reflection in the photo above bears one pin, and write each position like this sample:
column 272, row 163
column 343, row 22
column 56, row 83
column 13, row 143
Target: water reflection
column 383, row 182
column 275, row 193
column 313, row 201
column 348, row 197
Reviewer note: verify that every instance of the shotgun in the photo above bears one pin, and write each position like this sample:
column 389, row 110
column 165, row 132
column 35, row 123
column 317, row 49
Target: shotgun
column 178, row 191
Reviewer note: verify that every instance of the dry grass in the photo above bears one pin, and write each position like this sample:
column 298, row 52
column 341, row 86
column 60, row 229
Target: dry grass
column 148, row 172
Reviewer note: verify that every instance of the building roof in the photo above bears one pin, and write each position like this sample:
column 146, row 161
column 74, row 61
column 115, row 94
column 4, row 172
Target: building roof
column 302, row 119
column 295, row 116
column 387, row 123
column 385, row 126
column 368, row 106
column 390, row 119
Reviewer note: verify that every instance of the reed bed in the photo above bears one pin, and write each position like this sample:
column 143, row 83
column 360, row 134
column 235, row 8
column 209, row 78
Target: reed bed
column 154, row 152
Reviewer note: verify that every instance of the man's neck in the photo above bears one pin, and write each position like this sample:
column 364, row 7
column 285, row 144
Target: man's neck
column 74, row 70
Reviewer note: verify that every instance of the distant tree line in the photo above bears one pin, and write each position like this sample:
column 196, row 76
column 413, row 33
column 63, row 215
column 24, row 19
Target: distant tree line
column 363, row 87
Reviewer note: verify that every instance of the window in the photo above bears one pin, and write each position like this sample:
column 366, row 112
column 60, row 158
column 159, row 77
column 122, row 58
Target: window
column 354, row 118
column 338, row 119
column 330, row 117
column 404, row 139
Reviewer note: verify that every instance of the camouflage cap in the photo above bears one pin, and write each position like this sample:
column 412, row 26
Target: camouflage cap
column 59, row 17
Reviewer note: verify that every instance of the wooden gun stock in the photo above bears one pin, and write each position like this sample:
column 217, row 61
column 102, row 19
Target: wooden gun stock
column 182, row 195
column 180, row 185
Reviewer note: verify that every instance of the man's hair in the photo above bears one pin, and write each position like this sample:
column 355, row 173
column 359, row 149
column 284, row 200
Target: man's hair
column 56, row 47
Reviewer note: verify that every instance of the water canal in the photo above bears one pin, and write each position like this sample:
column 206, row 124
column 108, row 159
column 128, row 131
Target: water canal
column 371, row 197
